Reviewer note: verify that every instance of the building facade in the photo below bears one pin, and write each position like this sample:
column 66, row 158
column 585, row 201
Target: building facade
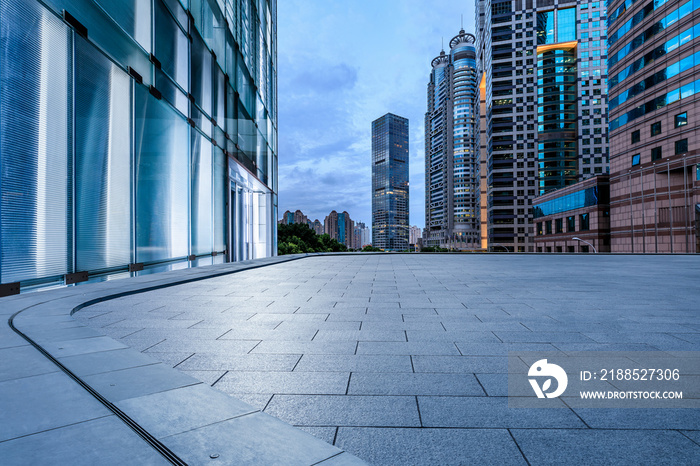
column 654, row 126
column 545, row 107
column 575, row 218
column 452, row 161
column 390, row 183
column 135, row 137
column 362, row 236
column 340, row 227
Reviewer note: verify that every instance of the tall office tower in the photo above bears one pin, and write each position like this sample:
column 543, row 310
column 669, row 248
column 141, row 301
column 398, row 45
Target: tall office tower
column 135, row 136
column 361, row 235
column 390, row 183
column 340, row 227
column 545, row 105
column 294, row 217
column 654, row 126
column 452, row 166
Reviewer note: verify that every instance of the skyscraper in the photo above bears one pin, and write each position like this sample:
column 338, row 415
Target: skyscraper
column 654, row 133
column 340, row 227
column 452, row 165
column 546, row 109
column 135, row 136
column 390, row 183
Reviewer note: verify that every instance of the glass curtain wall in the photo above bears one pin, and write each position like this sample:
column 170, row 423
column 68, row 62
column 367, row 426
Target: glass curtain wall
column 120, row 126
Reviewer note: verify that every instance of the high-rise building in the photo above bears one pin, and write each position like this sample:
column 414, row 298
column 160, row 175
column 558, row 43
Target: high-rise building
column 361, row 235
column 654, row 134
column 316, row 226
column 295, row 217
column 546, row 107
column 135, row 137
column 452, row 157
column 390, row 183
column 339, row 227
column 414, row 233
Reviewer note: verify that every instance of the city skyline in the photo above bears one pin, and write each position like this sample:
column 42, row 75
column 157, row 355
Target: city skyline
column 331, row 89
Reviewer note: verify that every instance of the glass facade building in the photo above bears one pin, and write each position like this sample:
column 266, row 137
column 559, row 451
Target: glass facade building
column 452, row 162
column 654, row 89
column 390, row 183
column 536, row 56
column 135, row 136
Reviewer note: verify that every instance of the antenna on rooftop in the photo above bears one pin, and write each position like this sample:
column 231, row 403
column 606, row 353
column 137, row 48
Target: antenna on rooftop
column 442, row 44
column 462, row 16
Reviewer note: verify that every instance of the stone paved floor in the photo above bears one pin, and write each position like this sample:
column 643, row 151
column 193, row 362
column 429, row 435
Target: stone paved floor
column 402, row 359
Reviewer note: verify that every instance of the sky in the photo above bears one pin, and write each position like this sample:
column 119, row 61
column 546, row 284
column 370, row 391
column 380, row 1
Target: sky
column 342, row 65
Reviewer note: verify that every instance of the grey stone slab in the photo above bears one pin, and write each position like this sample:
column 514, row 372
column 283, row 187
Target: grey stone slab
column 44, row 402
column 105, row 361
column 306, row 347
column 138, row 381
column 641, row 419
column 360, row 335
column 23, row 361
column 206, row 377
column 542, row 337
column 327, row 434
column 452, row 336
column 284, row 382
column 353, row 363
column 335, row 410
column 461, row 364
column 381, row 446
column 269, row 335
column 82, row 443
column 371, row 383
column 500, row 349
column 246, row 362
column 252, row 439
column 407, row 348
column 182, row 409
column 60, row 349
column 491, row 412
column 494, row 384
column 343, row 459
column 256, row 400
column 576, row 446
column 206, row 346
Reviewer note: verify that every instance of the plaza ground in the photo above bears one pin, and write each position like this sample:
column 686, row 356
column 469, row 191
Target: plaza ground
column 402, row 358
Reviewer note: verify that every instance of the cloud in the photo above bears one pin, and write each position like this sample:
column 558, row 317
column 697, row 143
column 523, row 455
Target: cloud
column 341, row 66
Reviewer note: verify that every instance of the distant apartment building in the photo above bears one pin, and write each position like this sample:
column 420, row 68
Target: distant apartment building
column 294, row 217
column 339, row 227
column 414, row 234
column 654, row 66
column 390, row 183
column 545, row 106
column 452, row 156
column 316, row 226
column 575, row 218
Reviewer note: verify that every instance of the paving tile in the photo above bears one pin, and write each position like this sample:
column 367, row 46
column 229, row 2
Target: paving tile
column 327, row 434
column 82, row 443
column 461, row 364
column 588, row 446
column 641, row 419
column 182, row 409
column 353, row 363
column 245, row 362
column 61, row 349
column 23, row 361
column 206, row 377
column 281, row 444
column 138, row 381
column 407, row 348
column 542, row 337
column 105, row 361
column 305, row 347
column 34, row 410
column 322, row 383
column 490, row 412
column 369, row 383
column 335, row 410
column 382, row 446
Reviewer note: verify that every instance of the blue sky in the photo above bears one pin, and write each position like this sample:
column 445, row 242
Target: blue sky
column 341, row 65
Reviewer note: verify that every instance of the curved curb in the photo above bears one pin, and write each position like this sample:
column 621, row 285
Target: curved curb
column 48, row 325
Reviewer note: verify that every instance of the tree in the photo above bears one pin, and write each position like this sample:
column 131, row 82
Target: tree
column 298, row 238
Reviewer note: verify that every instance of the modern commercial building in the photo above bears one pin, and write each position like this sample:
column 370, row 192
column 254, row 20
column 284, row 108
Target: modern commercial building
column 414, row 234
column 340, row 227
column 545, row 107
column 575, row 218
column 654, row 126
column 452, row 156
column 390, row 183
column 135, row 137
